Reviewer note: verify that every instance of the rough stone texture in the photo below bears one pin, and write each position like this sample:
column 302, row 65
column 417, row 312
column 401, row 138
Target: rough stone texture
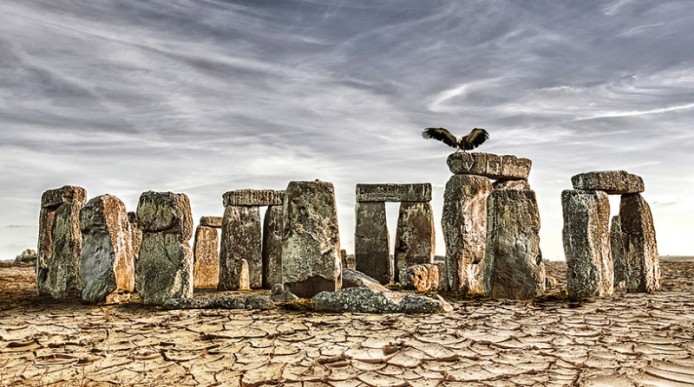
column 26, row 256
column 235, row 302
column 281, row 294
column 272, row 247
column 634, row 247
column 491, row 165
column 515, row 265
column 311, row 245
column 107, row 268
column 415, row 237
column 241, row 239
column 135, row 234
column 60, row 243
column 464, row 226
column 512, row 184
column 423, row 278
column 206, row 258
column 443, row 284
column 372, row 242
column 356, row 279
column 394, row 192
column 586, row 240
column 211, row 221
column 348, row 260
column 612, row 182
column 253, row 197
column 164, row 267
column 364, row 300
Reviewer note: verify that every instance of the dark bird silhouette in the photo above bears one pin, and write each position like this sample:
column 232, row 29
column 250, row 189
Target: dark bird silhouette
column 474, row 139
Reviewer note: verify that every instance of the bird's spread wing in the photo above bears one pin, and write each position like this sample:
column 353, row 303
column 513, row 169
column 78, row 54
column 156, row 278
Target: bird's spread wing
column 475, row 138
column 441, row 134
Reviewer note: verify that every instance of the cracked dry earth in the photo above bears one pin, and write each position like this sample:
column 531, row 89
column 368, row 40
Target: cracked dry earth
column 626, row 340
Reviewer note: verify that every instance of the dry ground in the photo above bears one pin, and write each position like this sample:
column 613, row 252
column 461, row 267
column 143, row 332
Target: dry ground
column 626, row 340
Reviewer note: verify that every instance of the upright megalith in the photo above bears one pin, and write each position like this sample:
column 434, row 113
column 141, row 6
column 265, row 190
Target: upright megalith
column 107, row 266
column 515, row 265
column 241, row 239
column 372, row 242
column 206, row 257
column 164, row 267
column 587, row 243
column 60, row 242
column 464, row 226
column 415, row 237
column 272, row 246
column 311, row 243
column 634, row 247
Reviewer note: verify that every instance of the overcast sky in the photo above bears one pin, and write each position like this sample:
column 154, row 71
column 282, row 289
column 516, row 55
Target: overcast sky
column 203, row 97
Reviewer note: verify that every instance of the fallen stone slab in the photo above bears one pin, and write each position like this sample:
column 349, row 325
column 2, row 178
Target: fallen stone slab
column 394, row 192
column 364, row 300
column 253, row 197
column 611, row 182
column 422, row 278
column 356, row 279
column 211, row 221
column 493, row 166
column 234, row 302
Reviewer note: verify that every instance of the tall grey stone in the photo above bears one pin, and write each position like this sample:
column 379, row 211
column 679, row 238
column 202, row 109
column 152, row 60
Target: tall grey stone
column 107, row 266
column 634, row 249
column 206, row 258
column 464, row 226
column 415, row 237
column 272, row 247
column 311, row 244
column 586, row 240
column 164, row 268
column 241, row 239
column 372, row 242
column 60, row 243
column 515, row 265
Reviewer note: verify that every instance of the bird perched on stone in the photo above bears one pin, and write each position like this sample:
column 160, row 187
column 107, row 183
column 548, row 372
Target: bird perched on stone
column 474, row 139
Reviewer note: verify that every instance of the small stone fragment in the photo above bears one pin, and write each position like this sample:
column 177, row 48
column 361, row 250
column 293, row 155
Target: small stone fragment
column 491, row 165
column 372, row 242
column 253, row 197
column 365, row 300
column 356, row 279
column 211, row 221
column 26, row 256
column 272, row 247
column 394, row 192
column 206, row 257
column 415, row 237
column 423, row 278
column 612, row 182
column 241, row 239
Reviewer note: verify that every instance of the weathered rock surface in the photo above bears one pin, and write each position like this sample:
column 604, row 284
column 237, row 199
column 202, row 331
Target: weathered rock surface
column 493, row 166
column 348, row 260
column 26, row 256
column 612, row 182
column 211, row 221
column 634, row 247
column 272, row 247
column 135, row 235
column 372, row 242
column 394, row 192
column 164, row 268
column 206, row 258
column 512, row 184
column 253, row 197
column 415, row 237
column 241, row 239
column 364, row 300
column 60, row 243
column 423, row 278
column 282, row 294
column 107, row 268
column 234, row 302
column 464, row 226
column 311, row 244
column 586, row 240
column 516, row 268
column 356, row 279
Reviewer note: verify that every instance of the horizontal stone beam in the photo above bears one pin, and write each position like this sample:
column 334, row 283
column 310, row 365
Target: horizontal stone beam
column 253, row 197
column 394, row 192
column 611, row 182
column 211, row 221
column 493, row 166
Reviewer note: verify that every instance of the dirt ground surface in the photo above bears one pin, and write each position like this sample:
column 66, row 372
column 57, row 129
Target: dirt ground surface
column 625, row 340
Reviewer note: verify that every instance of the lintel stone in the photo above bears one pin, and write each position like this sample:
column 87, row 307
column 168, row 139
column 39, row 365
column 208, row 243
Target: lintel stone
column 253, row 197
column 211, row 221
column 493, row 166
column 394, row 192
column 611, row 182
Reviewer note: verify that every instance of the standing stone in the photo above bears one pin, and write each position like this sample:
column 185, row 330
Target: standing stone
column 587, row 243
column 135, row 234
column 636, row 260
column 465, row 229
column 107, row 268
column 618, row 250
column 311, row 244
column 372, row 242
column 164, row 267
column 415, row 237
column 272, row 247
column 516, row 269
column 206, row 258
column 241, row 239
column 60, row 243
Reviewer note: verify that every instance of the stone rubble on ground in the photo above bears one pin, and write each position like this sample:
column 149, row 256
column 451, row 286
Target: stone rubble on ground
column 357, row 279
column 365, row 300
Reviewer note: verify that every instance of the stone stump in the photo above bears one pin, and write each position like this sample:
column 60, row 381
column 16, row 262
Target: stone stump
column 372, row 242
column 272, row 247
column 107, row 267
column 164, row 267
column 206, row 257
column 464, row 225
column 415, row 236
column 60, row 243
column 515, row 266
column 586, row 241
column 241, row 239
column 311, row 243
